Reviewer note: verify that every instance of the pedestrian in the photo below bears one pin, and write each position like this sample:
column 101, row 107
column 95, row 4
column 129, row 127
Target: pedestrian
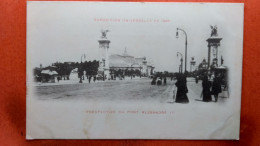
column 89, row 79
column 58, row 78
column 196, row 79
column 153, row 81
column 182, row 90
column 80, row 77
column 95, row 78
column 164, row 81
column 206, row 85
column 216, row 87
column 159, row 81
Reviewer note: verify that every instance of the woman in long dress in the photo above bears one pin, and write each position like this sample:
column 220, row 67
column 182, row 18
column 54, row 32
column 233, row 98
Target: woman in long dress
column 182, row 90
column 206, row 85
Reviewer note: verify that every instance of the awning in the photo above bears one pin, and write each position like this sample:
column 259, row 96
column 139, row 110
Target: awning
column 49, row 72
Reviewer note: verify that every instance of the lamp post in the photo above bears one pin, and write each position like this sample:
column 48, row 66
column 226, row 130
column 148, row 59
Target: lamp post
column 181, row 60
column 186, row 43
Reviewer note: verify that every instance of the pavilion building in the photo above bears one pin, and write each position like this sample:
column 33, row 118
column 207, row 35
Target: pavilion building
column 126, row 62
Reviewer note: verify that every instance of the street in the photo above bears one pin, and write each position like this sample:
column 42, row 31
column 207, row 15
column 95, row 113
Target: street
column 135, row 90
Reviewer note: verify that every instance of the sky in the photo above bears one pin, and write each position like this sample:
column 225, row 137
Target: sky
column 64, row 31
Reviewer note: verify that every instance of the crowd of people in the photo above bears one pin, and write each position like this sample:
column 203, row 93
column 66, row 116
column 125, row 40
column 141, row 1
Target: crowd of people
column 159, row 80
column 209, row 88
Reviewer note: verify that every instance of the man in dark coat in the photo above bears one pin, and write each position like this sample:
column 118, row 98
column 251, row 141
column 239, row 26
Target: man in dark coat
column 89, row 78
column 164, row 81
column 206, row 85
column 216, row 87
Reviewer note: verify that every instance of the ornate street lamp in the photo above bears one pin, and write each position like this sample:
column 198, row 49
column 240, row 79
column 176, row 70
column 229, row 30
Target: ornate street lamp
column 186, row 43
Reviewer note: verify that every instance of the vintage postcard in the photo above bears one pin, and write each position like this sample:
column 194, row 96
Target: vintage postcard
column 129, row 70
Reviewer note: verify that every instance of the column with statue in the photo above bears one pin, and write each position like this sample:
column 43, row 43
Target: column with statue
column 213, row 46
column 104, row 60
column 192, row 65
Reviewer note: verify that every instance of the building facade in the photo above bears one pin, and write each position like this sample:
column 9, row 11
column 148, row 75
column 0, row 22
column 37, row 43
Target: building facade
column 126, row 62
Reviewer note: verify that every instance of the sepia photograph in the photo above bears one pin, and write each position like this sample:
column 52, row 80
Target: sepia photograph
column 118, row 70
